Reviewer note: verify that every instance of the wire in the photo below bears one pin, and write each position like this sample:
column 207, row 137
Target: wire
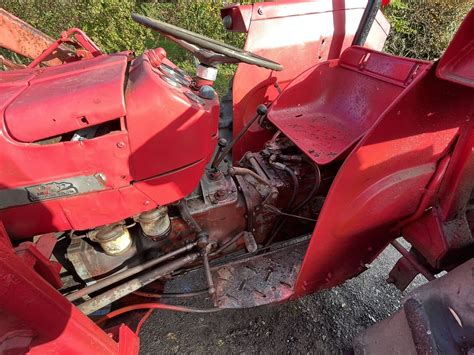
column 150, row 306
column 143, row 320
column 277, row 211
column 315, row 188
column 296, row 187
column 316, row 185
column 275, row 136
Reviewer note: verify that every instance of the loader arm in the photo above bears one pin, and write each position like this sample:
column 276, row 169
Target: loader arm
column 22, row 38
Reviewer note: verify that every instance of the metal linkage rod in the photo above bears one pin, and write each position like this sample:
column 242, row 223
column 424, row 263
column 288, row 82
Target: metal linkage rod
column 411, row 259
column 135, row 284
column 127, row 273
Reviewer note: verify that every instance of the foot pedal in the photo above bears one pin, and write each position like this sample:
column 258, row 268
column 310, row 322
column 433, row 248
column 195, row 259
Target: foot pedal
column 259, row 280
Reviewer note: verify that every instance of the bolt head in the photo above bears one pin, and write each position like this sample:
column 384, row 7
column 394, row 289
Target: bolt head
column 222, row 142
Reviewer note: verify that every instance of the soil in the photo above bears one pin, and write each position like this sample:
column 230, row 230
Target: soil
column 325, row 322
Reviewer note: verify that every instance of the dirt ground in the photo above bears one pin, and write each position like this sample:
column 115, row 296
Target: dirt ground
column 321, row 323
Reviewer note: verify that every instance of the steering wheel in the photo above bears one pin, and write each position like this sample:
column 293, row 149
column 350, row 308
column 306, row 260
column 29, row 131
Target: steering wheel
column 207, row 50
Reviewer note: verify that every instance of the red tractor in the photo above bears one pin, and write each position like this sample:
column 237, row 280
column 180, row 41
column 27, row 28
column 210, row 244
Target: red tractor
column 120, row 172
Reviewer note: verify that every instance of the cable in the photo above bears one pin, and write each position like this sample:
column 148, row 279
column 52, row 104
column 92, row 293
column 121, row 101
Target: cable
column 277, row 211
column 143, row 320
column 317, row 184
column 296, row 187
column 315, row 188
column 150, row 306
column 277, row 227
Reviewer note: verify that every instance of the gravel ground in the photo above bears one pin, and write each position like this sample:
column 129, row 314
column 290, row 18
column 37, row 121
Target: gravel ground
column 324, row 322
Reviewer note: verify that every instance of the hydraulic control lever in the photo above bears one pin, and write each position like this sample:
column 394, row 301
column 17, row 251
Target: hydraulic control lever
column 221, row 144
column 202, row 242
column 261, row 112
column 206, row 247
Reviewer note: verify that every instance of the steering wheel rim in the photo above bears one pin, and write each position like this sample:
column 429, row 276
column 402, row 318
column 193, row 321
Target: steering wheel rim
column 177, row 33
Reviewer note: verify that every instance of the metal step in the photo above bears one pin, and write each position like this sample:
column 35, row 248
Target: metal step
column 258, row 280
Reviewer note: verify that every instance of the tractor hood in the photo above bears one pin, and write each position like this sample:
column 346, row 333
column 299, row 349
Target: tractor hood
column 66, row 98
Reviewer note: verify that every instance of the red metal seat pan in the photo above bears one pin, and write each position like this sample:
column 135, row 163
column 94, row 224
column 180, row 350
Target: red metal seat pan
column 328, row 108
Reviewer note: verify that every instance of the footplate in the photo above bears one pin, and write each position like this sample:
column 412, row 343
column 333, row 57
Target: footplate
column 258, row 280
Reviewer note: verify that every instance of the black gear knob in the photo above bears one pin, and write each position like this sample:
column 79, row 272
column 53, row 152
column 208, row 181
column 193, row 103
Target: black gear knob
column 262, row 110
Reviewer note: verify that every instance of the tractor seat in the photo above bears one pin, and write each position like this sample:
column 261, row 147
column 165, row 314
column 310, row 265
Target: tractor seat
column 330, row 107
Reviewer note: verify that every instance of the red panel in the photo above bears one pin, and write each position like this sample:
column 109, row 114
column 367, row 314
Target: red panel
column 96, row 209
column 14, row 77
column 59, row 99
column 167, row 142
column 426, row 235
column 456, row 64
column 442, row 234
column 167, row 131
column 383, row 180
column 171, row 187
column 458, row 186
column 324, row 118
column 79, row 213
column 297, row 34
column 37, row 312
column 240, row 15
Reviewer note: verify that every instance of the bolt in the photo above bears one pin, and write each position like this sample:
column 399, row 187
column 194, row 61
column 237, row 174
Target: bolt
column 101, row 177
column 220, row 195
column 260, row 11
column 120, row 145
column 146, row 203
column 214, row 174
column 222, row 142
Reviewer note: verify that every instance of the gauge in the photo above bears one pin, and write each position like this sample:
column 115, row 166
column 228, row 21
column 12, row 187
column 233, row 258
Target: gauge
column 193, row 97
column 176, row 73
column 171, row 81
